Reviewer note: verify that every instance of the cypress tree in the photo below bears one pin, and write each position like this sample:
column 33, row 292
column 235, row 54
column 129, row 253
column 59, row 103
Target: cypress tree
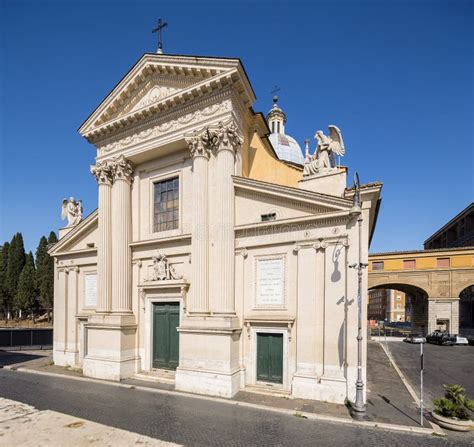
column 3, row 277
column 16, row 262
column 47, row 277
column 41, row 270
column 25, row 298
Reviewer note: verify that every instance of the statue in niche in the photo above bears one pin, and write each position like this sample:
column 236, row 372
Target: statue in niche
column 323, row 159
column 162, row 269
column 72, row 211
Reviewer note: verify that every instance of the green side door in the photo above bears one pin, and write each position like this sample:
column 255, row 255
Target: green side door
column 165, row 335
column 270, row 357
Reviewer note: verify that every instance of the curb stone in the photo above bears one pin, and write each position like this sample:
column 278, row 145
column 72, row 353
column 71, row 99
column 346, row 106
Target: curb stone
column 310, row 416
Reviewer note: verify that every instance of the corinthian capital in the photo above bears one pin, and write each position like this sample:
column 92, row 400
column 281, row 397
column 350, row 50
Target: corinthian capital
column 197, row 146
column 228, row 136
column 122, row 169
column 102, row 172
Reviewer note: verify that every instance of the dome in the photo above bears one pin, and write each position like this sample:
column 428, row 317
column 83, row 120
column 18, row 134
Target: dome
column 286, row 148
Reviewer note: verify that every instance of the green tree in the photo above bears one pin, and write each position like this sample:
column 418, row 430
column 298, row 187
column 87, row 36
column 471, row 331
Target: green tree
column 16, row 262
column 4, row 302
column 25, row 298
column 46, row 283
column 41, row 268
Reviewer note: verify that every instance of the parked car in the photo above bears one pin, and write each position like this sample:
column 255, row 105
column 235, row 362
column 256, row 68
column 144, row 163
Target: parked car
column 470, row 339
column 460, row 340
column 441, row 338
column 414, row 338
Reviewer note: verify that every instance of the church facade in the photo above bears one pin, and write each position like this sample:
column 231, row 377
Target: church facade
column 211, row 261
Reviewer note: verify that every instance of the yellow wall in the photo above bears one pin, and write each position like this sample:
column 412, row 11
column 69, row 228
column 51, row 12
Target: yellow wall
column 259, row 163
column 422, row 262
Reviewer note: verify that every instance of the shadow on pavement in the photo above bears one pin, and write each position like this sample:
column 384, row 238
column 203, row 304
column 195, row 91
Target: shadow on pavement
column 14, row 357
column 388, row 399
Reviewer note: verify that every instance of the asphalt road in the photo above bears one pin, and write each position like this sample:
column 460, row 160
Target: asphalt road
column 193, row 422
column 442, row 365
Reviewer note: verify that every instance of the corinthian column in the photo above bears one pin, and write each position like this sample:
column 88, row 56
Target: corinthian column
column 121, row 230
column 199, row 148
column 228, row 142
column 103, row 174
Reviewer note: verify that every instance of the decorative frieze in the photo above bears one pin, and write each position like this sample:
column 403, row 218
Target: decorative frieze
column 173, row 123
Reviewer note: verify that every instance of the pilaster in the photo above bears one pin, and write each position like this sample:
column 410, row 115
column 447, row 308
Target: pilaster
column 103, row 174
column 121, row 231
column 111, row 331
column 210, row 334
column 228, row 143
column 199, row 146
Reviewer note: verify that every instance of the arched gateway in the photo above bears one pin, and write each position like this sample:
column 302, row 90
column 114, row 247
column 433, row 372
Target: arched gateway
column 434, row 280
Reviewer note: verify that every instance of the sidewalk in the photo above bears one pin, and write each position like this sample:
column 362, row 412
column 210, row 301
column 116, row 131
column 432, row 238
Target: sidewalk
column 24, row 425
column 388, row 401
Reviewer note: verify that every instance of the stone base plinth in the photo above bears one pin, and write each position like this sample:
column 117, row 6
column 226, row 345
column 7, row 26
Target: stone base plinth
column 331, row 181
column 209, row 356
column 110, row 351
column 65, row 358
column 328, row 390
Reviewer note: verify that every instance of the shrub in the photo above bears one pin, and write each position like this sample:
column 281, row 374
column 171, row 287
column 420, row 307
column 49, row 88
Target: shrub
column 454, row 404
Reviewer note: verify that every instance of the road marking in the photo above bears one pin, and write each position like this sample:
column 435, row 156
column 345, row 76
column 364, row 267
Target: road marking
column 437, row 430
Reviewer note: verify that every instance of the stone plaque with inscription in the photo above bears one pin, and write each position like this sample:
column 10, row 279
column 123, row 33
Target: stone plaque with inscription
column 91, row 291
column 270, row 282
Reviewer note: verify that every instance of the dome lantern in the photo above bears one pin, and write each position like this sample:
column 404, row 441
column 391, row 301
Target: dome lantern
column 286, row 147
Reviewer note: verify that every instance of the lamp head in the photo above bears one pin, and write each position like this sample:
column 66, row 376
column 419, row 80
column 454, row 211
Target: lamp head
column 355, row 211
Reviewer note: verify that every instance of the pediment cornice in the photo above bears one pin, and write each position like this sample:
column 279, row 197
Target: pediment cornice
column 158, row 84
column 84, row 227
column 296, row 195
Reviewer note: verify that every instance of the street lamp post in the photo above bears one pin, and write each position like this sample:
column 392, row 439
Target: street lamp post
column 356, row 211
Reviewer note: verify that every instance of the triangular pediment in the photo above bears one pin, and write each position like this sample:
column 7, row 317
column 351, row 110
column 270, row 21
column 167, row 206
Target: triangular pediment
column 152, row 90
column 83, row 237
column 157, row 83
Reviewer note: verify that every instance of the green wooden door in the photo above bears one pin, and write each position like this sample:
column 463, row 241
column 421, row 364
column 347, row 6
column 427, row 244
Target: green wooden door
column 165, row 335
column 270, row 357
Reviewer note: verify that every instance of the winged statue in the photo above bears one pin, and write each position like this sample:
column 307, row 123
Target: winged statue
column 328, row 146
column 72, row 211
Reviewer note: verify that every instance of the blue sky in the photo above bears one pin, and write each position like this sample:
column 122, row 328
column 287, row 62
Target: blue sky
column 395, row 76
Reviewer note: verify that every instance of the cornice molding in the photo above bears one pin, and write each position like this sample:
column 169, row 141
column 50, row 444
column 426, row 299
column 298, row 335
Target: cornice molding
column 217, row 75
column 292, row 224
column 180, row 118
column 310, row 197
column 80, row 228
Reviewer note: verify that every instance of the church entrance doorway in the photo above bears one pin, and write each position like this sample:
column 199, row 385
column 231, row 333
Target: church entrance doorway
column 165, row 335
column 270, row 357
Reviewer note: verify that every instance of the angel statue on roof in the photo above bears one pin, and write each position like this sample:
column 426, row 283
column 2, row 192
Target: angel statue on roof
column 72, row 211
column 328, row 147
